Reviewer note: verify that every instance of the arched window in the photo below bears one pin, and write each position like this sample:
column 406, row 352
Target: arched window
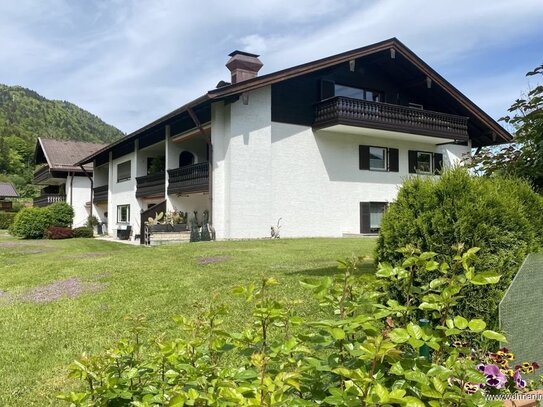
column 186, row 158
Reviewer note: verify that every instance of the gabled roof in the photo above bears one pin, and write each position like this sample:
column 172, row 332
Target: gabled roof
column 62, row 155
column 7, row 190
column 392, row 45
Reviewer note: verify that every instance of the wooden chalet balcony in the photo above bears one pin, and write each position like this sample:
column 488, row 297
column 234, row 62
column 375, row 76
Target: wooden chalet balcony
column 151, row 185
column 48, row 199
column 42, row 174
column 384, row 116
column 99, row 194
column 189, row 179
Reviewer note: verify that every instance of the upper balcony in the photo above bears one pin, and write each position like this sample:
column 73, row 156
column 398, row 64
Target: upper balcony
column 341, row 110
column 189, row 179
column 100, row 194
column 150, row 186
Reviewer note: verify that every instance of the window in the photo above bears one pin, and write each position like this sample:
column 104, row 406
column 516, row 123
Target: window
column 378, row 158
column 371, row 215
column 123, row 171
column 358, row 93
column 423, row 162
column 123, row 213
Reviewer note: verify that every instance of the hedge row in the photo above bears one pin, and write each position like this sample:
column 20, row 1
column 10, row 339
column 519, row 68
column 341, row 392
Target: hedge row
column 6, row 219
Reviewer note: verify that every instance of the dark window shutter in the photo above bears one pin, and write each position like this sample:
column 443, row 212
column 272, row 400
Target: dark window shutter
column 364, row 157
column 364, row 217
column 412, row 162
column 327, row 89
column 438, row 162
column 393, row 160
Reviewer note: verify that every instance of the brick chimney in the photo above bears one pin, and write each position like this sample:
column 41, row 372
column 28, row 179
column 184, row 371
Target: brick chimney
column 243, row 66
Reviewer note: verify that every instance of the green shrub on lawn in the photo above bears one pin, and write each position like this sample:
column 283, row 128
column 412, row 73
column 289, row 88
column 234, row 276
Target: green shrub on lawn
column 61, row 214
column 31, row 223
column 502, row 216
column 84, row 231
column 6, row 219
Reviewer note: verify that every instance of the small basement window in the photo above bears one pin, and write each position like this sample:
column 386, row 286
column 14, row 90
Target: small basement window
column 124, row 171
column 123, row 213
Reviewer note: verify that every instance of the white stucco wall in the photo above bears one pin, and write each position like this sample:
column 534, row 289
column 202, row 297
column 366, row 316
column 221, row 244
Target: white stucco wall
column 78, row 190
column 263, row 171
column 123, row 193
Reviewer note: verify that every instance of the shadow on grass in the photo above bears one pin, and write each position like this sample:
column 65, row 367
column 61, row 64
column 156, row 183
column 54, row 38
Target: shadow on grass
column 366, row 268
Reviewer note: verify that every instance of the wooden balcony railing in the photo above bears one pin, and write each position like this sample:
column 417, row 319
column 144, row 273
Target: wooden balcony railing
column 151, row 185
column 100, row 194
column 384, row 116
column 41, row 174
column 48, row 199
column 189, row 179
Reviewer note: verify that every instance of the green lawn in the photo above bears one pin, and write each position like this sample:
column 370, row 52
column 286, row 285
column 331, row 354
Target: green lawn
column 40, row 339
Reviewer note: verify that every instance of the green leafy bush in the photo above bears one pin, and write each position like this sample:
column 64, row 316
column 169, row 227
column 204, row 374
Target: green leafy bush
column 31, row 223
column 58, row 232
column 84, row 231
column 61, row 214
column 369, row 350
column 6, row 219
column 502, row 216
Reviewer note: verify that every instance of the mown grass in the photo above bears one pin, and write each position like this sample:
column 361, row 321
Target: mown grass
column 40, row 340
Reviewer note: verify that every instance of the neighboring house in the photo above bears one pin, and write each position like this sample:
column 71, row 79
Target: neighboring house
column 7, row 191
column 61, row 178
column 324, row 146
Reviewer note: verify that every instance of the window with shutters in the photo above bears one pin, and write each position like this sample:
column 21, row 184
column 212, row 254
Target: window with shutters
column 424, row 162
column 123, row 171
column 375, row 158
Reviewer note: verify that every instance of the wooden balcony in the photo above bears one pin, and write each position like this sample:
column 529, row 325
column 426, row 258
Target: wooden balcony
column 384, row 116
column 150, row 186
column 48, row 199
column 100, row 194
column 189, row 179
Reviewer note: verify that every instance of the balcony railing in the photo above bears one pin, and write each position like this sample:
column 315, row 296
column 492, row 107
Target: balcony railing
column 42, row 174
column 99, row 194
column 189, row 179
column 384, row 116
column 48, row 199
column 151, row 185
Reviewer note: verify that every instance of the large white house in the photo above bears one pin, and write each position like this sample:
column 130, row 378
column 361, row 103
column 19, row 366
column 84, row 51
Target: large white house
column 322, row 146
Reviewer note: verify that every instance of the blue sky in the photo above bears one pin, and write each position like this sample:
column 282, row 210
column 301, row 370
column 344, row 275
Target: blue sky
column 131, row 61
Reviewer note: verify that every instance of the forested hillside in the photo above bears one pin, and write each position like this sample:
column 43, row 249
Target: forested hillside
column 26, row 115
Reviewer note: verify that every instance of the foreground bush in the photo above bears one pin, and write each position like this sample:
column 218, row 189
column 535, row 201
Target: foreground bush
column 502, row 216
column 32, row 223
column 366, row 352
column 6, row 219
column 84, row 231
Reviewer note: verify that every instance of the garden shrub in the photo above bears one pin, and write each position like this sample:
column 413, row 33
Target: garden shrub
column 503, row 216
column 31, row 223
column 84, row 231
column 58, row 232
column 6, row 219
column 61, row 214
column 368, row 350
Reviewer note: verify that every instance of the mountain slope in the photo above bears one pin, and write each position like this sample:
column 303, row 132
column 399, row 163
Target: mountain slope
column 25, row 115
